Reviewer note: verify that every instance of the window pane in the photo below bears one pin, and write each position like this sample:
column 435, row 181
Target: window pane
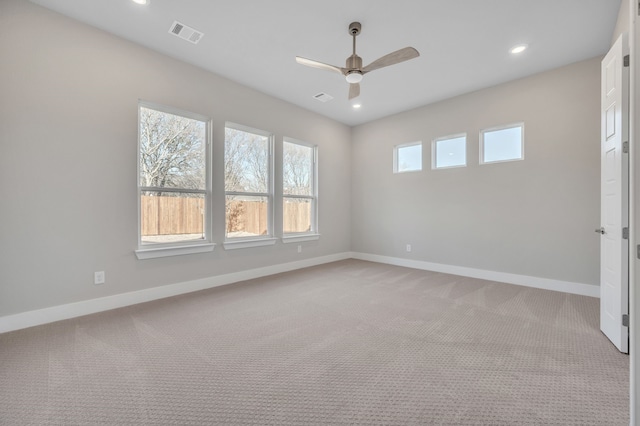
column 502, row 145
column 246, row 216
column 246, row 161
column 171, row 217
column 297, row 215
column 297, row 169
column 172, row 151
column 409, row 158
column 451, row 152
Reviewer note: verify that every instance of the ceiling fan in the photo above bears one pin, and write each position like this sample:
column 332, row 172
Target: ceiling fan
column 353, row 69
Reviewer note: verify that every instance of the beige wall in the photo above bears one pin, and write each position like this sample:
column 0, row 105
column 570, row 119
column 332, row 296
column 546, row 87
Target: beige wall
column 68, row 129
column 68, row 146
column 534, row 217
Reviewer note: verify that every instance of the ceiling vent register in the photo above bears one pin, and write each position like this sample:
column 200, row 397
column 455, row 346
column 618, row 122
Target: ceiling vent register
column 323, row 97
column 185, row 32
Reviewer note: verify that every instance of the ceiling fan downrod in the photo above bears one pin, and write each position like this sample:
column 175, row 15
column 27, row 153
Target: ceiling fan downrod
column 354, row 62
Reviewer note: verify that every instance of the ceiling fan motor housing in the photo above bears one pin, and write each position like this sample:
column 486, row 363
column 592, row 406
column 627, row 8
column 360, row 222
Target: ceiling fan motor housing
column 354, row 28
column 354, row 62
column 354, row 67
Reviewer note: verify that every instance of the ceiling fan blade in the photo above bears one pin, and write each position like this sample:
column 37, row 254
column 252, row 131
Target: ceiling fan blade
column 316, row 64
column 392, row 59
column 354, row 90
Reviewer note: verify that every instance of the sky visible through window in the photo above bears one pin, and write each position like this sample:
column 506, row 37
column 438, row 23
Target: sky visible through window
column 297, row 168
column 502, row 145
column 172, row 150
column 451, row 152
column 246, row 161
column 409, row 158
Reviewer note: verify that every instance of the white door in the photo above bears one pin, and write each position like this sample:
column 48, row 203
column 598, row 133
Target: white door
column 614, row 193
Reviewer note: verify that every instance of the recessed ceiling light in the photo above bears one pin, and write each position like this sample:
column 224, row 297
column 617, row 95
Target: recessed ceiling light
column 141, row 1
column 518, row 49
column 356, row 106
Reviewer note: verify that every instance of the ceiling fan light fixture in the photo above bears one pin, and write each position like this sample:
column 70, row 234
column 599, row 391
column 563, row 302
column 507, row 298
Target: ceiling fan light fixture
column 354, row 76
column 353, row 69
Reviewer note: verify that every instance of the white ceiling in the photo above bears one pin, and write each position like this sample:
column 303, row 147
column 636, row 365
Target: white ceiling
column 463, row 43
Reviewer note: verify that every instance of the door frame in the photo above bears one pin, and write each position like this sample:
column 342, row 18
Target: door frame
column 634, row 213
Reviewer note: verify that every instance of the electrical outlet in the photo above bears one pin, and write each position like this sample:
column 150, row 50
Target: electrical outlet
column 408, row 247
column 98, row 277
column 299, row 249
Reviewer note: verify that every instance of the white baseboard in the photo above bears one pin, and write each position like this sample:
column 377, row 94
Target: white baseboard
column 524, row 280
column 86, row 307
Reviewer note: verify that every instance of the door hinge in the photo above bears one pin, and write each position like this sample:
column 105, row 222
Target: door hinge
column 625, row 320
column 625, row 233
column 625, row 147
column 626, row 60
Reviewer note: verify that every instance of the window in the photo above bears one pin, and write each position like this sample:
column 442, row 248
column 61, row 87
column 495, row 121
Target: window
column 248, row 186
column 174, row 181
column 298, row 189
column 502, row 144
column 449, row 151
column 407, row 158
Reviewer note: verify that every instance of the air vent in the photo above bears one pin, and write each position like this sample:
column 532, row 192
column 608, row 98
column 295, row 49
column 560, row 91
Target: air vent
column 186, row 33
column 323, row 97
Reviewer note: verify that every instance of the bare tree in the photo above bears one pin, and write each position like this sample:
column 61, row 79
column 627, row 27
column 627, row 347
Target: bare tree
column 257, row 165
column 233, row 154
column 296, row 169
column 171, row 151
column 247, row 171
column 246, row 161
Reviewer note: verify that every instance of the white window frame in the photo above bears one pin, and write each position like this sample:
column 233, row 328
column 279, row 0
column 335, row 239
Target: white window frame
column 155, row 250
column 434, row 151
column 262, row 240
column 407, row 145
column 503, row 127
column 294, row 237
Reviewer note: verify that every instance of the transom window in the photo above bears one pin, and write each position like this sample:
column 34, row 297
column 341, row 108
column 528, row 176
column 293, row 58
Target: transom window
column 174, row 185
column 248, row 183
column 298, row 187
column 449, row 151
column 407, row 157
column 505, row 143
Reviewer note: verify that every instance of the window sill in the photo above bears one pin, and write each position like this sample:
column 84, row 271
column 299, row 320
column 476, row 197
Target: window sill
column 240, row 244
column 448, row 167
column 299, row 238
column 154, row 252
column 401, row 172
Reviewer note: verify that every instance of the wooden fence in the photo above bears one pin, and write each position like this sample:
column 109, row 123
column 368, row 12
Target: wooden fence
column 171, row 215
column 246, row 218
column 298, row 217
column 182, row 215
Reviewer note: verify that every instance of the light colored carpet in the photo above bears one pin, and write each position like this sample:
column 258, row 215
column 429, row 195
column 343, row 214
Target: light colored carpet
column 350, row 342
